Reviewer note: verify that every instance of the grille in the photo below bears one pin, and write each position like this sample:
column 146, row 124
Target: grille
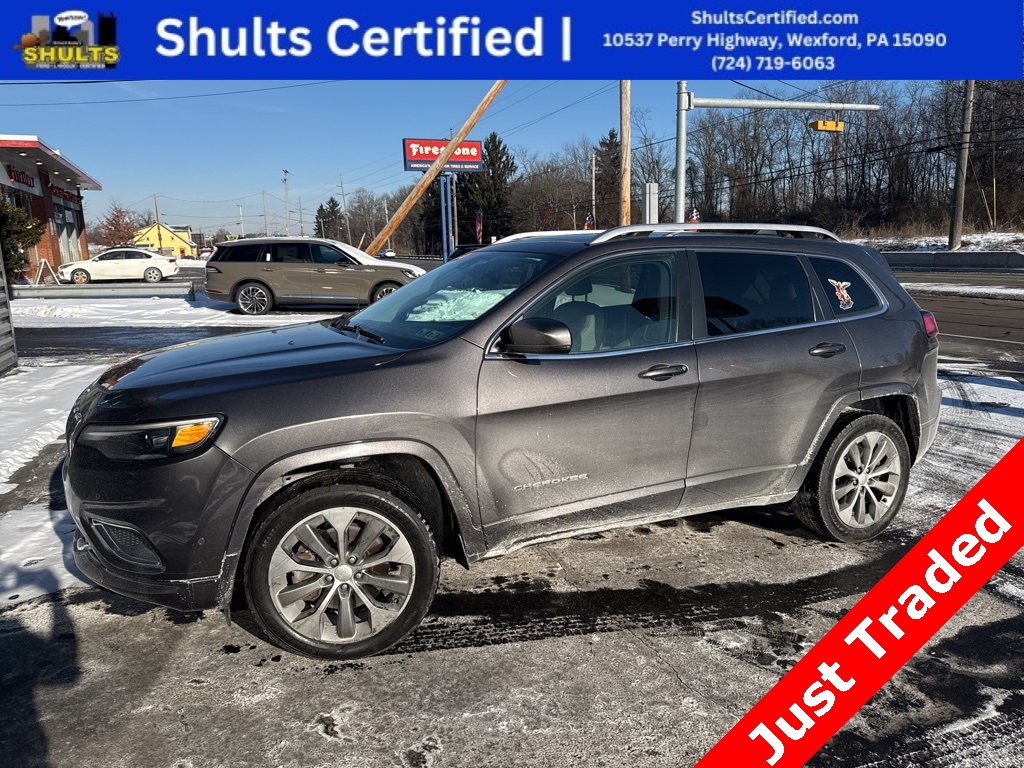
column 128, row 544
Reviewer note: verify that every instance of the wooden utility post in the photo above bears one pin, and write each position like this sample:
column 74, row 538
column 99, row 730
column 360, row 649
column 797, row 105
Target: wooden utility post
column 624, row 196
column 159, row 234
column 956, row 218
column 432, row 172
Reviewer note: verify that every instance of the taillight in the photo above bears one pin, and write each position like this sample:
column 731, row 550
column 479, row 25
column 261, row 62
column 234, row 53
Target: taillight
column 931, row 327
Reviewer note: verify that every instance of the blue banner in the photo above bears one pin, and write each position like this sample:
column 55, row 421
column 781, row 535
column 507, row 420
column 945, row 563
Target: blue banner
column 749, row 39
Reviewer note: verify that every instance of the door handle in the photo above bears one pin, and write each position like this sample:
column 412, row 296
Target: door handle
column 827, row 349
column 663, row 372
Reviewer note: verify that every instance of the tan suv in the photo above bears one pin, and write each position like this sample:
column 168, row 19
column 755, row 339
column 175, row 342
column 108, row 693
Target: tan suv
column 258, row 274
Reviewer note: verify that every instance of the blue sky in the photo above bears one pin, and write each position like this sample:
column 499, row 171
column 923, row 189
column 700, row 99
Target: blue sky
column 205, row 156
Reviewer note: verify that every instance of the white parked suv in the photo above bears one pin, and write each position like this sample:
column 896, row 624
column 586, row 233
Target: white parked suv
column 119, row 264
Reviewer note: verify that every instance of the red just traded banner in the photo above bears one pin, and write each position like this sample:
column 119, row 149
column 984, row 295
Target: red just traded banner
column 884, row 629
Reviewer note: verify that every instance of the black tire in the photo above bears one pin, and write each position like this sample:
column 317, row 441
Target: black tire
column 385, row 289
column 80, row 277
column 152, row 275
column 859, row 482
column 344, row 601
column 254, row 299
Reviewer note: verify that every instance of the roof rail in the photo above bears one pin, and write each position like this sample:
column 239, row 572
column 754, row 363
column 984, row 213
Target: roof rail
column 780, row 230
column 548, row 233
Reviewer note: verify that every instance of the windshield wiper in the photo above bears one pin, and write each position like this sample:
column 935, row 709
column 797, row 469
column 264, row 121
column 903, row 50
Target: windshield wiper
column 360, row 331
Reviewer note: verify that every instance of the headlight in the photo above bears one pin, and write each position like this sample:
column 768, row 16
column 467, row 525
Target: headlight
column 131, row 442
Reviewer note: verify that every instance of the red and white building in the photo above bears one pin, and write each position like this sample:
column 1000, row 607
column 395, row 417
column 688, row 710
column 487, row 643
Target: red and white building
column 48, row 186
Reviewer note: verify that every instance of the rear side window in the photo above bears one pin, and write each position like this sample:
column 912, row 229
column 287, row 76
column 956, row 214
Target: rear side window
column 289, row 253
column 249, row 252
column 848, row 292
column 746, row 292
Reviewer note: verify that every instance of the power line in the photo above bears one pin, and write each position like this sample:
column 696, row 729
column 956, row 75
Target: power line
column 171, row 98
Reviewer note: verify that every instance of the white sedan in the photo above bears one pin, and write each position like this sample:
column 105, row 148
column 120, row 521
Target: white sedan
column 119, row 264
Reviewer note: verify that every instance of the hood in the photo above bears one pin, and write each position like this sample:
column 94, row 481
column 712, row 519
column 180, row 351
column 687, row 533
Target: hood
column 375, row 262
column 244, row 361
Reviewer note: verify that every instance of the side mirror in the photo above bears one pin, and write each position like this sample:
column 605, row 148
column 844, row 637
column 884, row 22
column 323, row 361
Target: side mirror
column 536, row 336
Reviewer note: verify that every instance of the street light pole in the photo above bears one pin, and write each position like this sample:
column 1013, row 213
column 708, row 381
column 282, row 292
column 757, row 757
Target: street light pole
column 241, row 221
column 287, row 212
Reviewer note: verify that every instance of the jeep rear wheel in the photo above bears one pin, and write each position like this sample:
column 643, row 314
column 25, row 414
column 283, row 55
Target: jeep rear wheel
column 152, row 275
column 254, row 299
column 859, row 484
column 341, row 572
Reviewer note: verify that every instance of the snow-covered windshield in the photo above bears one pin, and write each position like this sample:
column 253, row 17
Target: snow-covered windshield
column 443, row 302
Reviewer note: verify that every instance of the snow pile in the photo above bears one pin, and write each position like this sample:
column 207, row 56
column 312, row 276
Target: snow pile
column 959, row 289
column 988, row 241
column 35, row 553
column 155, row 312
column 34, row 406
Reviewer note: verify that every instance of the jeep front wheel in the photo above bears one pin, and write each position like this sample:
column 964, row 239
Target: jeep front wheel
column 341, row 572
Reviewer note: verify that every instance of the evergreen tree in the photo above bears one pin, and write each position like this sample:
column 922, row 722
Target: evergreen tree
column 330, row 221
column 18, row 231
column 489, row 191
column 608, row 175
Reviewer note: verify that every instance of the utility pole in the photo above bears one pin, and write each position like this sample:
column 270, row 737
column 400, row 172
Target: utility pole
column 241, row 221
column 287, row 211
column 431, row 173
column 593, row 187
column 344, row 205
column 159, row 232
column 302, row 227
column 624, row 125
column 266, row 229
column 956, row 218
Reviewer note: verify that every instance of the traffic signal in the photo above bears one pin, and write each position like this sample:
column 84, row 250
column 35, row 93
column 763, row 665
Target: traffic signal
column 834, row 126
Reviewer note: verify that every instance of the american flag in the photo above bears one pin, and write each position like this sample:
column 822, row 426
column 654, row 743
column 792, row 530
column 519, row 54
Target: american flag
column 590, row 223
column 479, row 226
column 547, row 212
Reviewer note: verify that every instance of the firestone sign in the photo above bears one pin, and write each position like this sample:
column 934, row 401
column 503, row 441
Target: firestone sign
column 20, row 177
column 420, row 154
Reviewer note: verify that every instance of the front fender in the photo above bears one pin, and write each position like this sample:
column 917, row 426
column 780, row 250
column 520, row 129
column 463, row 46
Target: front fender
column 467, row 514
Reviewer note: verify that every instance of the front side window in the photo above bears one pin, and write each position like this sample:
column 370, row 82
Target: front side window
column 746, row 292
column 848, row 292
column 623, row 304
column 324, row 254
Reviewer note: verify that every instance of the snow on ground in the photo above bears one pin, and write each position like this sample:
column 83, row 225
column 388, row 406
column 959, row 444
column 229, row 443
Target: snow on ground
column 34, row 406
column 985, row 241
column 960, row 289
column 155, row 312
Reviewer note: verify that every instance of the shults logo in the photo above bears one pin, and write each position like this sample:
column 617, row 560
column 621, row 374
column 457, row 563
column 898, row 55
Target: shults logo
column 70, row 40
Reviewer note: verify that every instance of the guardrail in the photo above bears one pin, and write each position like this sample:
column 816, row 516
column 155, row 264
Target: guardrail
column 94, row 291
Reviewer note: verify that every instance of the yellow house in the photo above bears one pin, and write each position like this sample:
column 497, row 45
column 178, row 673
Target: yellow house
column 171, row 241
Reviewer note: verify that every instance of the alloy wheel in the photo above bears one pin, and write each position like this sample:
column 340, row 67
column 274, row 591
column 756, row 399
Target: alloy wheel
column 866, row 479
column 253, row 300
column 341, row 575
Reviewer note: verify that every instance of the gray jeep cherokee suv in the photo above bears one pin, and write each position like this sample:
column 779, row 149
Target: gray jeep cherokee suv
column 546, row 387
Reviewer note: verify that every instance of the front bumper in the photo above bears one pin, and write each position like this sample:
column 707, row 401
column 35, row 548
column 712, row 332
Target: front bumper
column 155, row 533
